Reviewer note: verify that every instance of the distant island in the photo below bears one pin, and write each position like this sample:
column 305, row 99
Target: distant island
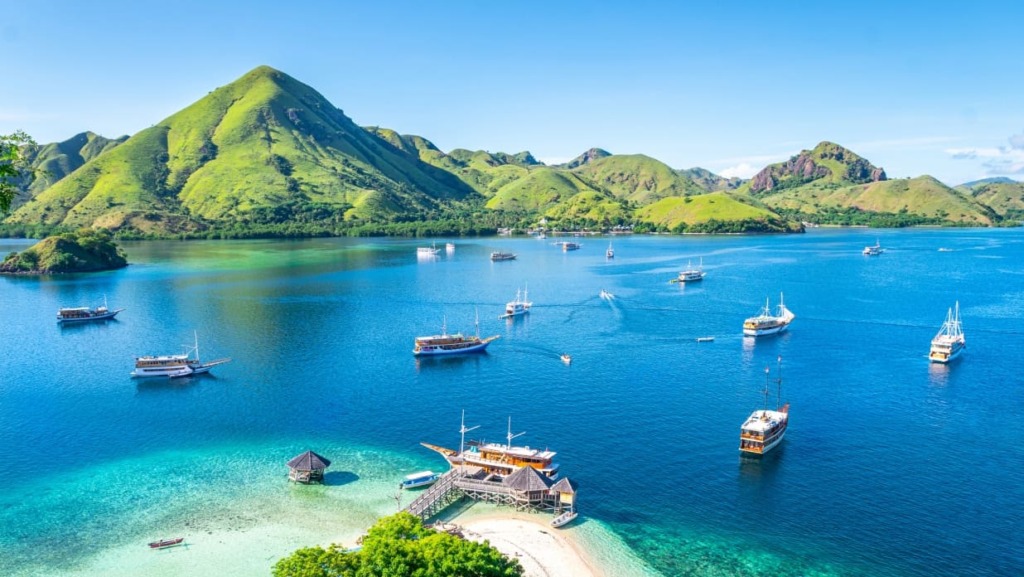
column 82, row 251
column 268, row 156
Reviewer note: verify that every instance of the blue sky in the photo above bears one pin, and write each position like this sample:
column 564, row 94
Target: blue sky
column 920, row 88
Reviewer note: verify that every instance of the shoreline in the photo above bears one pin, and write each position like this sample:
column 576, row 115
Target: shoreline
column 542, row 550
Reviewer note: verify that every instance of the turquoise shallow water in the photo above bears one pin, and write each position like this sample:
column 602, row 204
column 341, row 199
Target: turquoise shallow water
column 891, row 466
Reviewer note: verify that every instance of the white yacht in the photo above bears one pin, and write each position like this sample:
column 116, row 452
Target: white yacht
column 949, row 342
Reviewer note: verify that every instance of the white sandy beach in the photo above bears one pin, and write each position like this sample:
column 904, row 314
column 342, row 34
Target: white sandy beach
column 540, row 549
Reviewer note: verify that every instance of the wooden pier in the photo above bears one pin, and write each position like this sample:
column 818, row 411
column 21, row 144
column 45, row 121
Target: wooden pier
column 525, row 490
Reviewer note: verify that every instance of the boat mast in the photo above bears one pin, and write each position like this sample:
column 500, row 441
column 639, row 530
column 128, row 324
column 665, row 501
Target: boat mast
column 196, row 335
column 778, row 383
column 767, row 370
column 510, row 436
column 477, row 322
column 462, row 440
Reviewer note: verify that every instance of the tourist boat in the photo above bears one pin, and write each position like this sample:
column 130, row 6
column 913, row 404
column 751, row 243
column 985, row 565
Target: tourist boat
column 605, row 295
column 610, row 253
column 766, row 323
column 692, row 274
column 705, row 339
column 567, row 246
column 564, row 519
column 764, row 429
column 517, row 307
column 499, row 459
column 81, row 314
column 949, row 342
column 175, row 366
column 566, row 359
column 446, row 344
column 498, row 255
column 421, row 479
column 873, row 250
column 165, row 543
column 427, row 250
column 449, row 247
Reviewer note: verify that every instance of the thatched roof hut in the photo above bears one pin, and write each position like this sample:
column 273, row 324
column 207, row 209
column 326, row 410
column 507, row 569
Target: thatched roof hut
column 528, row 483
column 308, row 467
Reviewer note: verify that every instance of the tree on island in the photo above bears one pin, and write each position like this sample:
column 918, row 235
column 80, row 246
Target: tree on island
column 12, row 166
column 87, row 250
column 400, row 546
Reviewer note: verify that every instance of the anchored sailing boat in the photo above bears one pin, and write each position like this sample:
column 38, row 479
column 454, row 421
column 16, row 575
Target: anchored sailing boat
column 610, row 253
column 764, row 429
column 175, row 366
column 692, row 274
column 517, row 307
column 766, row 323
column 80, row 314
column 873, row 250
column 497, row 458
column 949, row 342
column 446, row 344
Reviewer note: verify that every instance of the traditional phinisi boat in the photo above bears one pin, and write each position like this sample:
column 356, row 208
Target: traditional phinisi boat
column 427, row 251
column 949, row 342
column 873, row 250
column 519, row 306
column 499, row 459
column 764, row 429
column 175, row 366
column 446, row 344
column 82, row 314
column 567, row 246
column 767, row 323
column 692, row 274
column 498, row 255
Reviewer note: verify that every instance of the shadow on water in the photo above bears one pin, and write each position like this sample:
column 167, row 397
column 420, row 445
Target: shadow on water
column 338, row 478
column 161, row 384
column 763, row 469
column 82, row 326
column 449, row 362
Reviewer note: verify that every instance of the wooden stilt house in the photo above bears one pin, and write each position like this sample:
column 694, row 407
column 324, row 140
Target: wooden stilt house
column 308, row 468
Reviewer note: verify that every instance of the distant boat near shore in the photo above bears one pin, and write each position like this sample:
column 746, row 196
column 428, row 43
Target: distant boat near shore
column 498, row 255
column 873, row 250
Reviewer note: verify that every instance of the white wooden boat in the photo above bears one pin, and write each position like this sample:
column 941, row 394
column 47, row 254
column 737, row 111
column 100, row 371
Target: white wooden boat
column 564, row 519
column 420, row 479
column 949, row 342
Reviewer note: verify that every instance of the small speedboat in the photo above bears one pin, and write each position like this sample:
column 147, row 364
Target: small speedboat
column 421, row 479
column 566, row 358
column 165, row 543
column 705, row 339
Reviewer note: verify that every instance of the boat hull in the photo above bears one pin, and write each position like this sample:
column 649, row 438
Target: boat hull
column 439, row 350
column 98, row 317
column 760, row 332
column 943, row 358
column 767, row 447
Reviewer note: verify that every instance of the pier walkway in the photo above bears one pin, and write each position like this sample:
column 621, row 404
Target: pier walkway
column 525, row 489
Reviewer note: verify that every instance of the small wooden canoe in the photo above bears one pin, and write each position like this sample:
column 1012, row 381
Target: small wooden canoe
column 165, row 543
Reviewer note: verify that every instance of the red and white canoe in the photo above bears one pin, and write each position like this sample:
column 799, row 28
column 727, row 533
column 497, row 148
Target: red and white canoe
column 165, row 543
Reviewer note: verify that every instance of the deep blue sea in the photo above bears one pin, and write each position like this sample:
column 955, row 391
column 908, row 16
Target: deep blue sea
column 891, row 466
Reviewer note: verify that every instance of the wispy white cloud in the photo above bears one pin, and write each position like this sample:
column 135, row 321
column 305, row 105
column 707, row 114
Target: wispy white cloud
column 997, row 161
column 741, row 170
column 550, row 160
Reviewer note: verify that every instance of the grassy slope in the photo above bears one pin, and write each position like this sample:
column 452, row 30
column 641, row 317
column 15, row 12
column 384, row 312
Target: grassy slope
column 52, row 162
column 263, row 140
column 1002, row 197
column 538, row 190
column 637, row 178
column 923, row 195
column 701, row 208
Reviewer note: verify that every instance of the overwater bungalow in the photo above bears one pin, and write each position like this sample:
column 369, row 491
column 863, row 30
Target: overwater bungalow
column 308, row 468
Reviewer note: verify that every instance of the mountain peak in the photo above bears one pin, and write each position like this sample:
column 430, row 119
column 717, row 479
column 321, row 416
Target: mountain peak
column 587, row 157
column 827, row 160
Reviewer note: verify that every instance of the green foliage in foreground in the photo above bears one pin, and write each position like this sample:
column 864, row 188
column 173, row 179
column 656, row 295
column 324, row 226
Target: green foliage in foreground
column 11, row 166
column 400, row 546
column 84, row 251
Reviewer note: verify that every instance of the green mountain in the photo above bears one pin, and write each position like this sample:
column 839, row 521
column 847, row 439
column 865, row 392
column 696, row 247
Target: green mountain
column 992, row 180
column 1004, row 197
column 263, row 148
column 827, row 163
column 586, row 158
column 636, row 178
column 51, row 162
column 833, row 185
column 710, row 181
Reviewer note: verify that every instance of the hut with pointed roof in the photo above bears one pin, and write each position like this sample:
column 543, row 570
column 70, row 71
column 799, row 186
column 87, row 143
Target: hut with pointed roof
column 564, row 493
column 308, row 468
column 528, row 487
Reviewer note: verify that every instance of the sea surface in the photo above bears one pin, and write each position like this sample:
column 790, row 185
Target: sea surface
column 892, row 465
